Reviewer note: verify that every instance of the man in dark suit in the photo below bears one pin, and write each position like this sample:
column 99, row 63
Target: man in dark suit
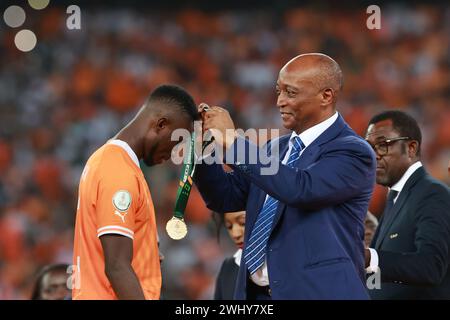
column 411, row 247
column 305, row 222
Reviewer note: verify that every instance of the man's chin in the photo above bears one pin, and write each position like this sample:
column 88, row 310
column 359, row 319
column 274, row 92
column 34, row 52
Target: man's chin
column 382, row 181
column 288, row 125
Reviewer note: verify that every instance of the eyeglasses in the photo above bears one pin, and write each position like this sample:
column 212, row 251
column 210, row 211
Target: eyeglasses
column 382, row 148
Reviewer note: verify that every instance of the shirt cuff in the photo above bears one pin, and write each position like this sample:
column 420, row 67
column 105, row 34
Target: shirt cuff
column 373, row 265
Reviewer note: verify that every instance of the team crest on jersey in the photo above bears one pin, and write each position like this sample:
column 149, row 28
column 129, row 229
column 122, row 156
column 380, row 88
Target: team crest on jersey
column 121, row 201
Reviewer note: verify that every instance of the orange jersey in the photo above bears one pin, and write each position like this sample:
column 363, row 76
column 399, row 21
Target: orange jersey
column 114, row 198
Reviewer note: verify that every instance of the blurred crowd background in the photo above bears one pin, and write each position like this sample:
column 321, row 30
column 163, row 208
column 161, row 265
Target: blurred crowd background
column 77, row 88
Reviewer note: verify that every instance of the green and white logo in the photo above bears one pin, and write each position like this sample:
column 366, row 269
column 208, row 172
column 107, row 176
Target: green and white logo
column 122, row 200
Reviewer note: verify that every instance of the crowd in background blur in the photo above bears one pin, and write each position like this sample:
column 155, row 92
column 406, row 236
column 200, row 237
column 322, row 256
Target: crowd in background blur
column 64, row 99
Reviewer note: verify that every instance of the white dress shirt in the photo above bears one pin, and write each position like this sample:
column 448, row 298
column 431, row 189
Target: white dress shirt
column 261, row 276
column 374, row 262
column 237, row 257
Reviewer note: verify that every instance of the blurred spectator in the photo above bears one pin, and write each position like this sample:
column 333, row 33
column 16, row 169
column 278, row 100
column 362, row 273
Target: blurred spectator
column 51, row 283
column 371, row 224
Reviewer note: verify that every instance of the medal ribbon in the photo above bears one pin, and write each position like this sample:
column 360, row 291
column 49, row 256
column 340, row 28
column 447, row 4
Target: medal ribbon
column 185, row 184
column 187, row 172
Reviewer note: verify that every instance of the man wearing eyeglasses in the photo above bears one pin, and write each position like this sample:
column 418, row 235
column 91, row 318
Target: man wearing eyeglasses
column 411, row 247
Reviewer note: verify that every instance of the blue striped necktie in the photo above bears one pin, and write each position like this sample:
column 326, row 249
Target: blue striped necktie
column 255, row 250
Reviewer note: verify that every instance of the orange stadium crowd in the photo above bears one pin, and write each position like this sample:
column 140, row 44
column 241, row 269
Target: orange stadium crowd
column 76, row 89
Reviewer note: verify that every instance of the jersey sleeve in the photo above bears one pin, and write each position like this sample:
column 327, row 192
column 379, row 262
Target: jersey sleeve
column 117, row 203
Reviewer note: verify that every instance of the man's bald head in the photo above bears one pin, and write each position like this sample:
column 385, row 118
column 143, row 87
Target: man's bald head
column 319, row 68
column 308, row 87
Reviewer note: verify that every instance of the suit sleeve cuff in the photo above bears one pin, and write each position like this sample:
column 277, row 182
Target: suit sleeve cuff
column 374, row 264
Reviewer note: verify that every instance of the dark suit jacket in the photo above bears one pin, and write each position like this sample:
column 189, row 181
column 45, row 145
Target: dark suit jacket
column 414, row 250
column 226, row 280
column 315, row 249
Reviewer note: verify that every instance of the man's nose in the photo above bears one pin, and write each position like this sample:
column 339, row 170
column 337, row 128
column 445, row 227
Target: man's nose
column 377, row 156
column 281, row 102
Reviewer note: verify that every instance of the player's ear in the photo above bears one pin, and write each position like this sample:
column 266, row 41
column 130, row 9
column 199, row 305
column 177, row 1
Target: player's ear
column 161, row 124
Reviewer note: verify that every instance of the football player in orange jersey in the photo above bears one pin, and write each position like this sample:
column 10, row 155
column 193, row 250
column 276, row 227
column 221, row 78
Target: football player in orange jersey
column 115, row 248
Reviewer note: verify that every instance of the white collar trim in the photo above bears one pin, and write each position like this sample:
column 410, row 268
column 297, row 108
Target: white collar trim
column 127, row 148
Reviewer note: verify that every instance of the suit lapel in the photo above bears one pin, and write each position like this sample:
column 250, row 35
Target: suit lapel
column 311, row 153
column 389, row 220
column 332, row 132
column 258, row 206
column 404, row 194
column 284, row 147
column 281, row 205
column 306, row 159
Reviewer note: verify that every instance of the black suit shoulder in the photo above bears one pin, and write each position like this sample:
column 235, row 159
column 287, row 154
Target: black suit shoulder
column 428, row 192
column 226, row 280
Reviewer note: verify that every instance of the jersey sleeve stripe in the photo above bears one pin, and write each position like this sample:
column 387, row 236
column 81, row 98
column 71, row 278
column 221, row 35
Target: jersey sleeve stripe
column 115, row 232
column 115, row 227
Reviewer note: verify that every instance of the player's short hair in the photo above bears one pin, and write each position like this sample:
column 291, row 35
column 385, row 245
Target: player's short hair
column 402, row 122
column 173, row 95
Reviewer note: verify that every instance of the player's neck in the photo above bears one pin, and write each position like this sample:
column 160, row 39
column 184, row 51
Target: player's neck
column 135, row 141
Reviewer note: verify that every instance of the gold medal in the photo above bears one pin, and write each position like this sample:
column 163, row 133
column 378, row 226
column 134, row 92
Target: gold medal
column 176, row 228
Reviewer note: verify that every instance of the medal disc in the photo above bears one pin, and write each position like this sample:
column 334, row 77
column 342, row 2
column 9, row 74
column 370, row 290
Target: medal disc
column 176, row 228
